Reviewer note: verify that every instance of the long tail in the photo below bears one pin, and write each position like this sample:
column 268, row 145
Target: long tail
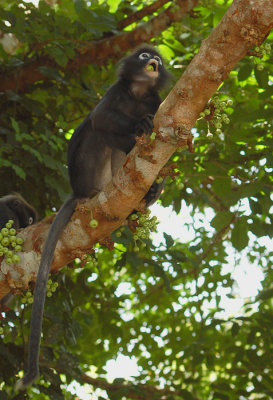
column 55, row 231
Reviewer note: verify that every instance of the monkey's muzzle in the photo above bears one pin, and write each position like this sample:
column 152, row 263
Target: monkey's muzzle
column 151, row 68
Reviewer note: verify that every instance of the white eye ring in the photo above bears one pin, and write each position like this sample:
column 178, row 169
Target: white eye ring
column 158, row 59
column 30, row 220
column 142, row 56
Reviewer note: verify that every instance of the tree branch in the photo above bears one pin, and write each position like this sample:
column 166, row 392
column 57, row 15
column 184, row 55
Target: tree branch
column 97, row 52
column 129, row 389
column 245, row 24
column 138, row 15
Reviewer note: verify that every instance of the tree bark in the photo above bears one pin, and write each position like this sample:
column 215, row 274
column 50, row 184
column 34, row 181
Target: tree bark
column 245, row 25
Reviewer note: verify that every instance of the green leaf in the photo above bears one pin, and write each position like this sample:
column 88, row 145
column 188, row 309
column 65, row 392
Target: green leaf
column 159, row 271
column 266, row 294
column 33, row 151
column 250, row 189
column 51, row 73
column 15, row 125
column 133, row 262
column 244, row 72
column 178, row 255
column 166, row 51
column 218, row 15
column 222, row 186
column 59, row 56
column 44, row 7
column 113, row 4
column 50, row 162
column 168, row 239
column 18, row 170
column 262, row 77
column 235, row 329
column 221, row 219
column 239, row 234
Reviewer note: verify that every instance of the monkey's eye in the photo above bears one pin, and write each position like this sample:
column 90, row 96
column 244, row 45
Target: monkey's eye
column 30, row 220
column 142, row 56
column 158, row 59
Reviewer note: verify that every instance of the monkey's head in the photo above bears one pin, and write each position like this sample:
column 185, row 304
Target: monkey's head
column 25, row 213
column 145, row 65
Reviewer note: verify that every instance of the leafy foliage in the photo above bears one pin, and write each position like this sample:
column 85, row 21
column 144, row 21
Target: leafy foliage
column 170, row 317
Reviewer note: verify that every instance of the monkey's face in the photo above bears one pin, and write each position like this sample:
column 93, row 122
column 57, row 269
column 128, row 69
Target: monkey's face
column 144, row 65
column 151, row 66
column 25, row 213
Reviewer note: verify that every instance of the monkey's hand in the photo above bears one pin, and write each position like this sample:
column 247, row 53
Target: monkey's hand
column 145, row 125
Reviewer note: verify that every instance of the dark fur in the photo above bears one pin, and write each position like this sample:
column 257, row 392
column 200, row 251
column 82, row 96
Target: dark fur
column 15, row 207
column 96, row 150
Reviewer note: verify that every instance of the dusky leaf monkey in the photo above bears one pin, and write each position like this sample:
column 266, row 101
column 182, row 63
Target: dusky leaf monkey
column 15, row 207
column 95, row 152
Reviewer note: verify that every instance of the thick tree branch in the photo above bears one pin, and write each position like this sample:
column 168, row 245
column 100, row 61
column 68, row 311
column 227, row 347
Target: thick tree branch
column 129, row 389
column 245, row 24
column 98, row 52
column 138, row 15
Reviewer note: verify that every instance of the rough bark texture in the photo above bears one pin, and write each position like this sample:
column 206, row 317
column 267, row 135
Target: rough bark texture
column 100, row 51
column 245, row 24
